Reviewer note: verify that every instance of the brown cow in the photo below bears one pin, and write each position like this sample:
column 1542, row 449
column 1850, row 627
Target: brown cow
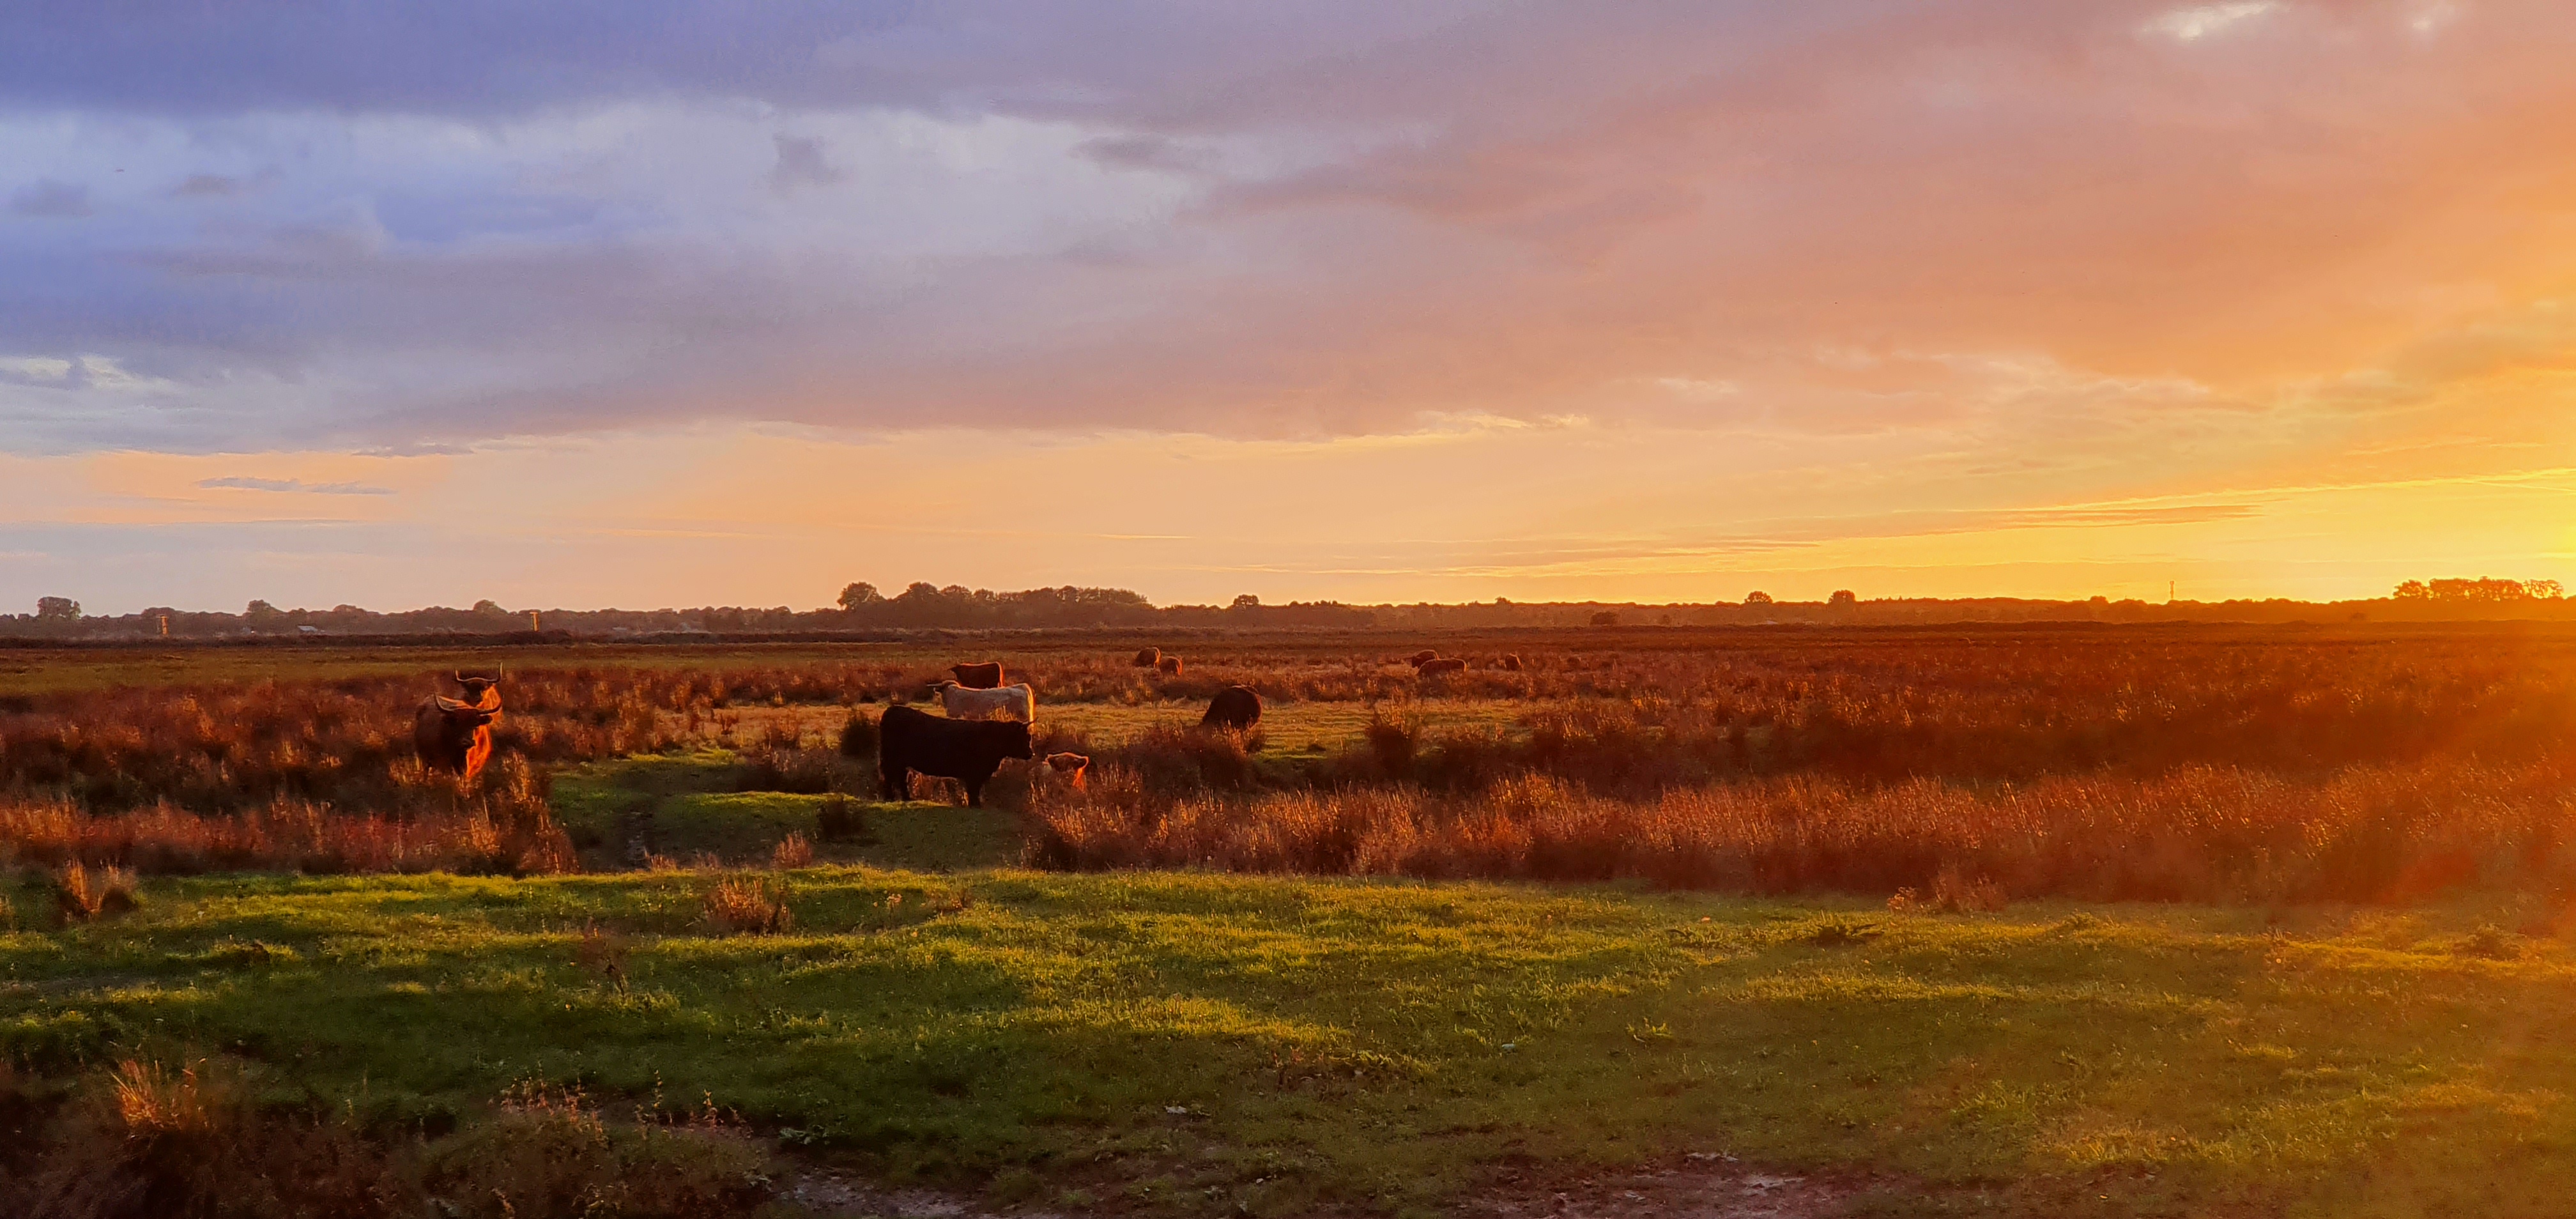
column 1439, row 666
column 455, row 734
column 1149, row 658
column 1235, row 707
column 1070, row 767
column 1170, row 665
column 1512, row 662
column 1421, row 658
column 984, row 675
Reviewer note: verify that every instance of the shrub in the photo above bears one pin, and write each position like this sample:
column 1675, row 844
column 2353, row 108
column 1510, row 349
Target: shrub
column 82, row 893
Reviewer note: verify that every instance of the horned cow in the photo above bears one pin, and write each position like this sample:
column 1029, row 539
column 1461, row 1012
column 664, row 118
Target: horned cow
column 967, row 751
column 1070, row 767
column 455, row 734
column 1011, row 702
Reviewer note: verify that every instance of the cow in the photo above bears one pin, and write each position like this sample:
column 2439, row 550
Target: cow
column 968, row 751
column 1443, row 665
column 986, row 675
column 1421, row 658
column 1070, row 767
column 1149, row 658
column 455, row 734
column 1235, row 707
column 1169, row 665
column 1512, row 662
column 1013, row 702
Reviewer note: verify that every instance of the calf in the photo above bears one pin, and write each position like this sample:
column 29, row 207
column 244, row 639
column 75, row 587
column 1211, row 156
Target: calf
column 968, row 751
column 1443, row 665
column 1170, row 665
column 455, row 734
column 985, row 675
column 1014, row 702
column 1235, row 707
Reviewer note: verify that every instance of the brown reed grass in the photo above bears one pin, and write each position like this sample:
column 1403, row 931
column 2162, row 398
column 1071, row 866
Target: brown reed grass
column 292, row 836
column 2205, row 834
column 743, row 905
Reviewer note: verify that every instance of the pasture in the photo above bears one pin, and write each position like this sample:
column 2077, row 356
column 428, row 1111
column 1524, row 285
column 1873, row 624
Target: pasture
column 2123, row 922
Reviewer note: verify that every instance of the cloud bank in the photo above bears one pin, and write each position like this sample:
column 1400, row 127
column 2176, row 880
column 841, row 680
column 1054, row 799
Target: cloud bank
column 400, row 228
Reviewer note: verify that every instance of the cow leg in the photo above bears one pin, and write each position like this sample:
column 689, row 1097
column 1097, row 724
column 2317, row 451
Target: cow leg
column 898, row 781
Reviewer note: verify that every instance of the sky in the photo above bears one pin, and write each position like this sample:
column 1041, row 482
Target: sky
column 651, row 303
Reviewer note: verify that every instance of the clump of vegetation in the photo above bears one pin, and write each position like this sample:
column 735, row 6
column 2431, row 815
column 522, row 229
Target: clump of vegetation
column 743, row 905
column 793, row 851
column 837, row 819
column 146, row 1140
column 82, row 893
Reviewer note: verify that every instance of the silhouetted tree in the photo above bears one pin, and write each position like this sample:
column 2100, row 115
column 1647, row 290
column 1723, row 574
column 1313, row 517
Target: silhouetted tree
column 1757, row 598
column 1843, row 596
column 860, row 593
column 57, row 609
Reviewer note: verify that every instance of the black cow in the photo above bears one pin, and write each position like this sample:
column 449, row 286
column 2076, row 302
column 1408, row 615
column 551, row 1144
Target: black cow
column 968, row 751
column 1235, row 707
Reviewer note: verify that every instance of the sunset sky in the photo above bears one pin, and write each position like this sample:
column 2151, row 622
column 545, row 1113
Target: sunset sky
column 649, row 303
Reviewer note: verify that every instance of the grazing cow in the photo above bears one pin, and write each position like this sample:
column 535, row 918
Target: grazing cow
column 1421, row 658
column 1070, row 767
column 1444, row 665
column 965, row 750
column 1235, row 707
column 455, row 734
column 1512, row 662
column 1170, row 665
column 1012, row 702
column 1149, row 658
column 983, row 676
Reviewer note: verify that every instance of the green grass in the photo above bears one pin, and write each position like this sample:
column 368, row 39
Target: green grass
column 688, row 803
column 1385, row 1046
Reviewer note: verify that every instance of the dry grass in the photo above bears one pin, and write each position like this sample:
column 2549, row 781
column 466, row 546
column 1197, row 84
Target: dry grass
column 2364, row 834
column 743, row 905
column 292, row 836
column 793, row 851
column 147, row 1141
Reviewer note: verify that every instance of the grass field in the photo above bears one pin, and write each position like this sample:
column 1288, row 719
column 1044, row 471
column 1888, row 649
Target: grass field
column 1224, row 1045
column 1274, row 1012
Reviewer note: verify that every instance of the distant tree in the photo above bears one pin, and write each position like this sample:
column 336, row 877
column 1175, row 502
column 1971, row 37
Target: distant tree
column 919, row 590
column 2544, row 590
column 2413, row 590
column 57, row 609
column 1247, row 601
column 858, row 594
column 489, row 607
column 1757, row 598
column 1605, row 618
column 1843, row 596
column 260, row 611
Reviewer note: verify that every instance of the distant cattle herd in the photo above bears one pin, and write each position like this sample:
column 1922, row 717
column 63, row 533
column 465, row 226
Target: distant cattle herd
column 986, row 723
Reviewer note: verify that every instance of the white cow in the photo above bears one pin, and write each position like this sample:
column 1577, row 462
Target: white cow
column 1010, row 702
